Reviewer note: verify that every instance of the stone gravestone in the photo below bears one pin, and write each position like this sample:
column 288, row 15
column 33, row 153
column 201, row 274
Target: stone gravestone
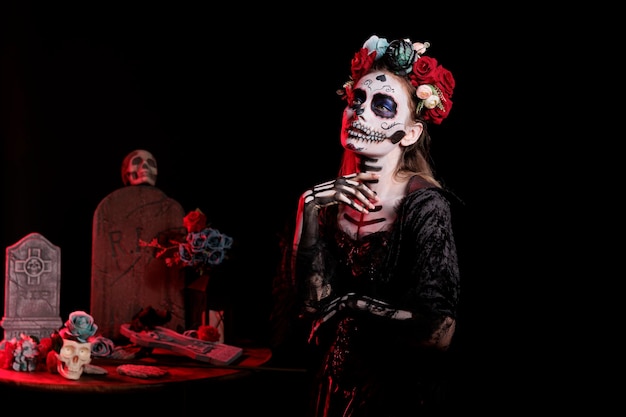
column 32, row 288
column 125, row 278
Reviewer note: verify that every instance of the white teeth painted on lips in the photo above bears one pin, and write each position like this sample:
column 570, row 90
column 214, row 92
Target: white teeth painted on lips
column 365, row 133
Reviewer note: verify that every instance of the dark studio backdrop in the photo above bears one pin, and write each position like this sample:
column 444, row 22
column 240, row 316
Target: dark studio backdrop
column 241, row 117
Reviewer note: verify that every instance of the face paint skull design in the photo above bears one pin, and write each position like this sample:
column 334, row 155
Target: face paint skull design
column 139, row 167
column 72, row 358
column 379, row 111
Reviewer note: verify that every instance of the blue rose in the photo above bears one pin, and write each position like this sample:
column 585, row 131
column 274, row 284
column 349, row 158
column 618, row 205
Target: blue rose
column 101, row 347
column 218, row 241
column 80, row 326
column 374, row 43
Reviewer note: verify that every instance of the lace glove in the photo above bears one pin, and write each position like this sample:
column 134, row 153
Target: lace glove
column 352, row 301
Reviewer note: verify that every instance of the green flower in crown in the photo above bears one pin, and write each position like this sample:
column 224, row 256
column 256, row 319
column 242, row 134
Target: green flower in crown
column 400, row 56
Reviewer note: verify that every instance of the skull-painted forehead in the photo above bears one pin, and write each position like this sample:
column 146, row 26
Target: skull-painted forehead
column 139, row 167
column 383, row 103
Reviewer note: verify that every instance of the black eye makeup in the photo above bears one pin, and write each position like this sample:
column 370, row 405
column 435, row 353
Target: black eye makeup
column 358, row 99
column 384, row 106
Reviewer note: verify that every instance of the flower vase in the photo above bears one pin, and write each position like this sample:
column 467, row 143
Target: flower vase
column 199, row 311
column 215, row 318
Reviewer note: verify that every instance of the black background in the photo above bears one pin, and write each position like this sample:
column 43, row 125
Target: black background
column 241, row 117
column 238, row 105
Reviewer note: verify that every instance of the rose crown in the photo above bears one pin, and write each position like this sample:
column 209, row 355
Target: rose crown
column 434, row 84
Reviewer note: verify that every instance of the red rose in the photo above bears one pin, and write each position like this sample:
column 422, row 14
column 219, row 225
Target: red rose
column 51, row 362
column 45, row 344
column 436, row 115
column 361, row 63
column 425, row 71
column 4, row 363
column 194, row 221
column 446, row 82
column 44, row 347
column 7, row 361
column 208, row 333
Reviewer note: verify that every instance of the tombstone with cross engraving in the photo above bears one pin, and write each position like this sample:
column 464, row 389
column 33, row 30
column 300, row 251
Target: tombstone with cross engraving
column 32, row 288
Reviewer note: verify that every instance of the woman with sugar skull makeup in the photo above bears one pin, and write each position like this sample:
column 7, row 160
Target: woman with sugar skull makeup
column 373, row 264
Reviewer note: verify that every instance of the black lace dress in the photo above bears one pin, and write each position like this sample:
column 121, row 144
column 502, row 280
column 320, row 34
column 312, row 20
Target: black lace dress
column 370, row 361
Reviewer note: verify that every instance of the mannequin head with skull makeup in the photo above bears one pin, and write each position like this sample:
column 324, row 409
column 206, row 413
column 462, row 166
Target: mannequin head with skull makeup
column 373, row 257
column 139, row 167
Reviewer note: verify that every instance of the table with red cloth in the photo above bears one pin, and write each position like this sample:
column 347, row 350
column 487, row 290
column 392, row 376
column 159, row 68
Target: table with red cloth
column 187, row 383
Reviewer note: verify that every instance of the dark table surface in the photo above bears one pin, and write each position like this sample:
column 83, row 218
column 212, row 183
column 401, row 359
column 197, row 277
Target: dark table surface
column 180, row 370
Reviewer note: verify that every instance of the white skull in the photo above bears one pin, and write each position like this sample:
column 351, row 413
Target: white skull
column 378, row 117
column 139, row 167
column 73, row 358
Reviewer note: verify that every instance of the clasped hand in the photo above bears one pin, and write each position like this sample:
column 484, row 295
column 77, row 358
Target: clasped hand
column 349, row 190
column 354, row 302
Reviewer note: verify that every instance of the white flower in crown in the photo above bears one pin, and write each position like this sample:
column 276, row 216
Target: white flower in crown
column 429, row 94
column 420, row 47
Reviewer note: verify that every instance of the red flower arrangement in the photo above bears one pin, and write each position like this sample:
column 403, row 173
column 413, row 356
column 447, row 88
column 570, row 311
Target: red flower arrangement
column 434, row 84
column 201, row 247
column 28, row 353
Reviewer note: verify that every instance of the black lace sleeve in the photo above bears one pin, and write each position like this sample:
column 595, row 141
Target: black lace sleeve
column 423, row 256
column 289, row 330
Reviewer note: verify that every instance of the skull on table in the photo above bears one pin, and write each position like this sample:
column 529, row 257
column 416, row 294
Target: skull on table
column 72, row 358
